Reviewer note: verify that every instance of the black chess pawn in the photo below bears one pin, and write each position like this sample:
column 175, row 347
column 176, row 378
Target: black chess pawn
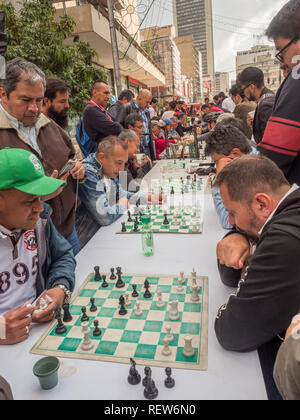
column 150, row 392
column 134, row 293
column 67, row 315
column 120, row 284
column 97, row 273
column 166, row 221
column 123, row 310
column 169, row 382
column 129, row 217
column 93, row 307
column 148, row 372
column 136, row 227
column 97, row 332
column 61, row 328
column 124, row 230
column 113, row 276
column 172, row 191
column 104, row 284
column 147, row 294
column 84, row 317
column 134, row 377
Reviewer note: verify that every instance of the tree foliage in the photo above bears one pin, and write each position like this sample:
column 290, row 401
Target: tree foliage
column 37, row 35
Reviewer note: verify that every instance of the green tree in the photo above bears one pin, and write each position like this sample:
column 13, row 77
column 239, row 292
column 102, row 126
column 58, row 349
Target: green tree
column 37, row 35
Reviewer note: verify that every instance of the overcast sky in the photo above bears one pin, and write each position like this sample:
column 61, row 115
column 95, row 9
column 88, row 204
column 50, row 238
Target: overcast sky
column 236, row 24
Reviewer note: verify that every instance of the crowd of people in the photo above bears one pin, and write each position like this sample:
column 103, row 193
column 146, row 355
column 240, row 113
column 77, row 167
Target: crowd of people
column 52, row 204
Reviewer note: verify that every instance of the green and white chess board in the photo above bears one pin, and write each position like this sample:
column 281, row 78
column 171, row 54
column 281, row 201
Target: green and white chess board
column 186, row 220
column 130, row 336
column 178, row 185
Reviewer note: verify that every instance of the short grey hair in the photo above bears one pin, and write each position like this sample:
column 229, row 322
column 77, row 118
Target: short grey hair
column 128, row 135
column 18, row 70
column 108, row 144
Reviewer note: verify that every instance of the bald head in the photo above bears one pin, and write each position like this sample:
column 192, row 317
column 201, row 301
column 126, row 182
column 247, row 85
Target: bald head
column 100, row 93
column 144, row 99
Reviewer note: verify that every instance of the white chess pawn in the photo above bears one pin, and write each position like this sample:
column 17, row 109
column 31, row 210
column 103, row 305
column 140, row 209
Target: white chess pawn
column 166, row 351
column 173, row 313
column 195, row 293
column 169, row 335
column 181, row 281
column 160, row 303
column 87, row 343
column 138, row 311
column 127, row 299
column 188, row 350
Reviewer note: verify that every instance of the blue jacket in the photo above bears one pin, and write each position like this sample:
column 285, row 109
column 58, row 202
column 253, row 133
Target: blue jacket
column 56, row 260
column 96, row 209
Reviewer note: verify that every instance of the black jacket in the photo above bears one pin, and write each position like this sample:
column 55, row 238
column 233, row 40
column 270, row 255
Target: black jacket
column 269, row 296
column 97, row 124
column 263, row 113
column 130, row 108
column 281, row 141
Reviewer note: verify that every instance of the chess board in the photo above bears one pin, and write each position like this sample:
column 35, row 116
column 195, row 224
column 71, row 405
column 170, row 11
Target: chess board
column 129, row 336
column 179, row 185
column 158, row 216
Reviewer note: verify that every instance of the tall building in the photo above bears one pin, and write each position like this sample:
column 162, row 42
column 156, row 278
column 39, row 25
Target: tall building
column 263, row 57
column 222, row 82
column 194, row 17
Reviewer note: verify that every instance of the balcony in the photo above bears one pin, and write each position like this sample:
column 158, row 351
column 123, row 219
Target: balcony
column 92, row 26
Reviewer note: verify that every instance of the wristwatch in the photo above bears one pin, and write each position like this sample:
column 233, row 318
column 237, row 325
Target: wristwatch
column 68, row 293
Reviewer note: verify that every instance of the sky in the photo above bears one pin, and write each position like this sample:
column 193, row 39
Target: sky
column 238, row 25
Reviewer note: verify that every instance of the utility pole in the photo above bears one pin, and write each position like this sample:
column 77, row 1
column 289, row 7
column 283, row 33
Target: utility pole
column 114, row 46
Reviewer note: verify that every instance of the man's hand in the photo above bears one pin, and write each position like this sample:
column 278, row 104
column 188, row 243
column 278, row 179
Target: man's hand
column 58, row 296
column 157, row 198
column 78, row 172
column 124, row 202
column 233, row 251
column 17, row 324
column 145, row 160
column 250, row 121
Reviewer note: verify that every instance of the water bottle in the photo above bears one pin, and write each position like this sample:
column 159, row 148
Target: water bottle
column 147, row 237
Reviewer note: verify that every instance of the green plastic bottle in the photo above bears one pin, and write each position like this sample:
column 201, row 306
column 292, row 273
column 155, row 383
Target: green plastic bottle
column 147, row 237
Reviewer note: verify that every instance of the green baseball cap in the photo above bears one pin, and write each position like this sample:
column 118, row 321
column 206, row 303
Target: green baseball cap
column 22, row 170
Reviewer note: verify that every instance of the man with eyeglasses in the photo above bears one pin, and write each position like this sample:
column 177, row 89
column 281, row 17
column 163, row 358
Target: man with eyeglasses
column 252, row 83
column 281, row 141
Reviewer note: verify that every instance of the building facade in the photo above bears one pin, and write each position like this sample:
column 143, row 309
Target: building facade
column 263, row 57
column 222, row 83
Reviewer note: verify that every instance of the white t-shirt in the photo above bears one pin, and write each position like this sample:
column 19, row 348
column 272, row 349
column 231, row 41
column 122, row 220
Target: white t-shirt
column 18, row 268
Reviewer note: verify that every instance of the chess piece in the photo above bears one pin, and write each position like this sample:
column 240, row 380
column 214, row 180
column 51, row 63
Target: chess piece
column 104, row 284
column 195, row 293
column 188, row 349
column 136, row 227
column 123, row 310
column 134, row 293
column 173, row 313
column 169, row 335
column 124, row 230
column 97, row 273
column 166, row 221
column 67, row 315
column 147, row 294
column 87, row 343
column 169, row 382
column 129, row 217
column 127, row 299
column 120, row 284
column 160, row 303
column 150, row 392
column 97, row 332
column 134, row 377
column 138, row 311
column 166, row 351
column 112, row 277
column 84, row 317
column 147, row 372
column 93, row 307
column 61, row 328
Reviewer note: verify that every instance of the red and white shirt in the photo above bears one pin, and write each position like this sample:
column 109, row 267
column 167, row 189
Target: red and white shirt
column 18, row 268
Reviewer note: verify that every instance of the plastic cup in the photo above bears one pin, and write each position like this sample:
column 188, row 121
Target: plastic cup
column 139, row 158
column 46, row 370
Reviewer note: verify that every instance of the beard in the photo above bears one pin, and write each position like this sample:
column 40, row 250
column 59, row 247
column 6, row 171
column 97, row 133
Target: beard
column 61, row 118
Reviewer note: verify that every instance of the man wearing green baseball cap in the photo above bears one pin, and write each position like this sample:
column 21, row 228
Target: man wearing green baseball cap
column 36, row 262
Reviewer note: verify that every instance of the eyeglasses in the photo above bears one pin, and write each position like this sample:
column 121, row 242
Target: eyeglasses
column 279, row 55
column 243, row 89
